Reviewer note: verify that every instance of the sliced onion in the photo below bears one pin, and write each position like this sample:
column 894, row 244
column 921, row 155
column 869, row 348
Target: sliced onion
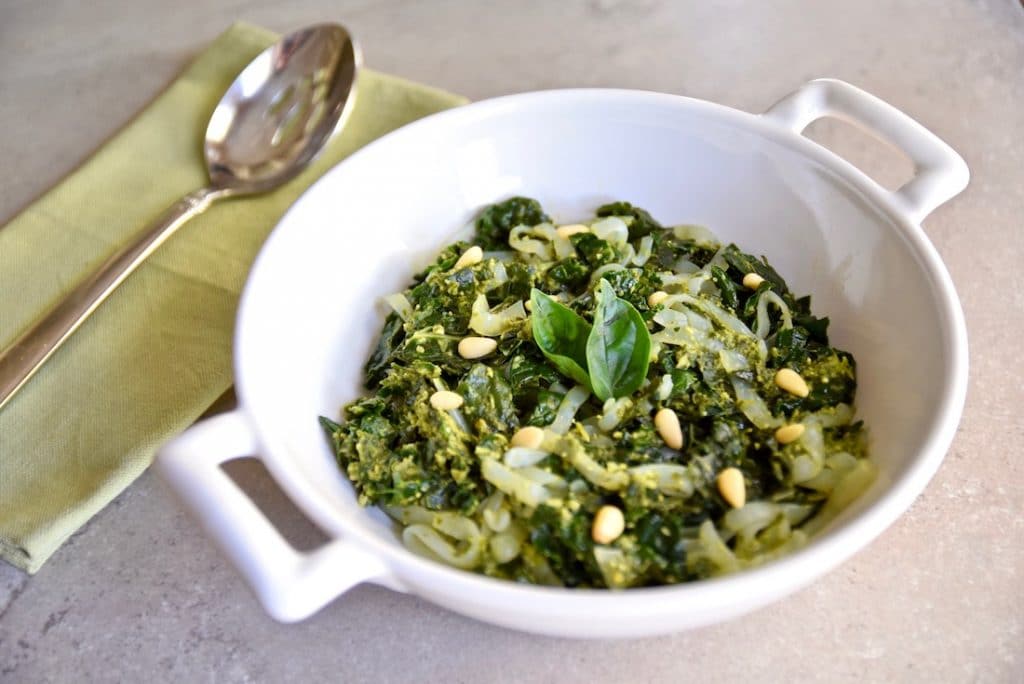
column 627, row 255
column 485, row 322
column 506, row 479
column 732, row 360
column 665, row 387
column 709, row 546
column 601, row 270
column 614, row 410
column 495, row 513
column 762, row 325
column 506, row 546
column 724, row 318
column 668, row 478
column 520, row 457
column 753, row 406
column 400, row 305
column 520, row 239
column 699, row 234
column 611, row 229
column 753, row 517
column 566, row 412
column 545, row 478
column 644, row 253
column 685, row 267
column 614, row 566
column 500, row 276
column 593, row 471
column 427, row 541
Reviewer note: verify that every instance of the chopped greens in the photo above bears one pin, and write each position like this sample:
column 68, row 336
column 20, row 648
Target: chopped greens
column 498, row 220
column 558, row 421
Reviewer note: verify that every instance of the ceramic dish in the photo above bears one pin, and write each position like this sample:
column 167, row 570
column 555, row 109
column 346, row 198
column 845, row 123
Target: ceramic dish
column 309, row 315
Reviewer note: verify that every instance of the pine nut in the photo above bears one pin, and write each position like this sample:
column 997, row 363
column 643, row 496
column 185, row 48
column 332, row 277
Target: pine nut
column 609, row 524
column 443, row 400
column 789, row 433
column 667, row 423
column 732, row 487
column 476, row 347
column 572, row 229
column 752, row 281
column 529, row 437
column 790, row 381
column 656, row 298
column 473, row 255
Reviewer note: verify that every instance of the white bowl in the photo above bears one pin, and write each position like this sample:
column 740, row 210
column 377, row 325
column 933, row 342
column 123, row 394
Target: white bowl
column 309, row 317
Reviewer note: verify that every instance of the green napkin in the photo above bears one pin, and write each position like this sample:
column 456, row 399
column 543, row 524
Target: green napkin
column 158, row 352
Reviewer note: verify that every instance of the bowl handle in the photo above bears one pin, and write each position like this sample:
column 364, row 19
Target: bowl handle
column 290, row 585
column 939, row 172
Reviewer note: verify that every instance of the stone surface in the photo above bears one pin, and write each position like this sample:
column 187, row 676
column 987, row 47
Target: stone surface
column 140, row 594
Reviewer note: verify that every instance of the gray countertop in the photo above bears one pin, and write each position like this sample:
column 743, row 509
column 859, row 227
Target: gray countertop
column 141, row 594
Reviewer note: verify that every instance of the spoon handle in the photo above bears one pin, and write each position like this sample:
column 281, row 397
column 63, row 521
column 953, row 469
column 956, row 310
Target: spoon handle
column 31, row 350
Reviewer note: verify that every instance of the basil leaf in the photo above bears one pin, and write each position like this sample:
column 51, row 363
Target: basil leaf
column 619, row 347
column 561, row 334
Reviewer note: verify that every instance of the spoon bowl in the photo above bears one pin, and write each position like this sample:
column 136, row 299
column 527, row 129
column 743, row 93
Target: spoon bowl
column 273, row 120
column 281, row 109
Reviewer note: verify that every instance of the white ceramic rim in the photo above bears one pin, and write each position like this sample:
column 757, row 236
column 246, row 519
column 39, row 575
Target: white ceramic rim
column 793, row 570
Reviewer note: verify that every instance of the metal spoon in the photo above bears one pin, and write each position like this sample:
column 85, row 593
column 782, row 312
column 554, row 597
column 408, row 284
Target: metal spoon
column 269, row 125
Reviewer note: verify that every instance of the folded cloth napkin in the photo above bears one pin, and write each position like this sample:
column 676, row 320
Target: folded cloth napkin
column 158, row 351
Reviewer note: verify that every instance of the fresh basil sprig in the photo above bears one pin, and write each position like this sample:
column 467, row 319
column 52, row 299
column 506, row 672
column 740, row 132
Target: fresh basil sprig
column 619, row 346
column 561, row 334
column 610, row 357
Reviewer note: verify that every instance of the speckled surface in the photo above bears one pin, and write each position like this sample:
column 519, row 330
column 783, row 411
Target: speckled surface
column 140, row 594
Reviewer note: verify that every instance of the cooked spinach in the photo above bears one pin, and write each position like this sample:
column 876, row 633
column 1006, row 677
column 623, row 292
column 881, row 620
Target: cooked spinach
column 640, row 223
column 495, row 222
column 583, row 355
